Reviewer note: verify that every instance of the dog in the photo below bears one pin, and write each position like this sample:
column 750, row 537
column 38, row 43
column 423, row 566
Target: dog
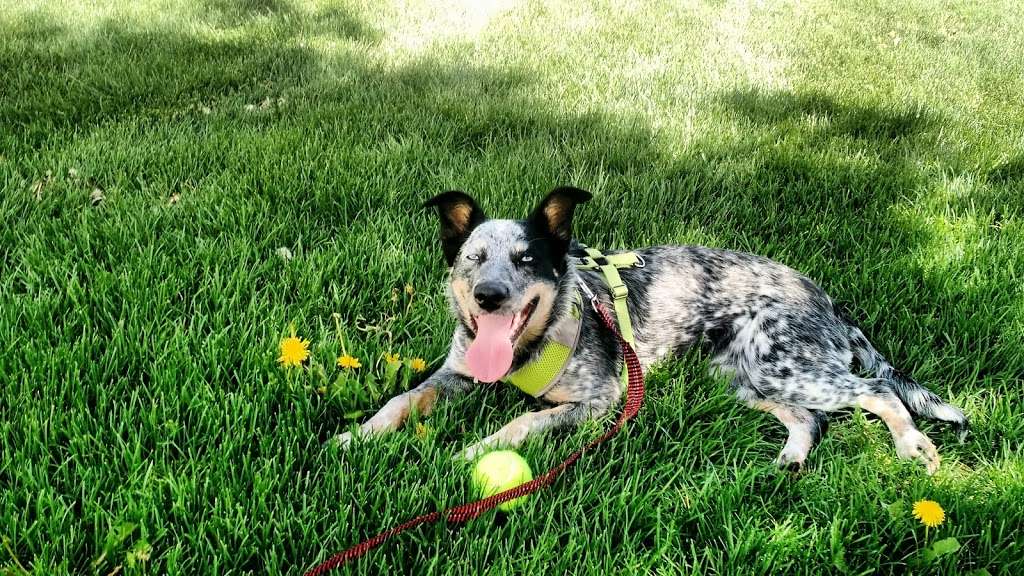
column 788, row 349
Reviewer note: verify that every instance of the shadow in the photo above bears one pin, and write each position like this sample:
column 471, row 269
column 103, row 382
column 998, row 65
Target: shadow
column 1003, row 197
column 885, row 125
column 239, row 12
column 1009, row 172
column 64, row 77
column 342, row 23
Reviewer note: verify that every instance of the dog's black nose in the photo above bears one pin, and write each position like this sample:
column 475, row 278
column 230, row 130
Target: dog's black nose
column 490, row 295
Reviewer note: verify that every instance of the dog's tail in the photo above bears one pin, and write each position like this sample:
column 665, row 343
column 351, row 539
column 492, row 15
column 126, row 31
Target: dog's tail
column 919, row 400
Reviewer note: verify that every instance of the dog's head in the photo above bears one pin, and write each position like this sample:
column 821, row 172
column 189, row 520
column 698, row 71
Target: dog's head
column 505, row 274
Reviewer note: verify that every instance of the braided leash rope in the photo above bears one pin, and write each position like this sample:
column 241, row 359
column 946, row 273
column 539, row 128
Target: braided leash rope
column 470, row 510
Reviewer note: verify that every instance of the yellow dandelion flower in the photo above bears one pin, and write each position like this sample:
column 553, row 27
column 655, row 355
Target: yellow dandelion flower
column 417, row 364
column 929, row 513
column 422, row 431
column 294, row 351
column 349, row 362
column 409, row 289
column 392, row 358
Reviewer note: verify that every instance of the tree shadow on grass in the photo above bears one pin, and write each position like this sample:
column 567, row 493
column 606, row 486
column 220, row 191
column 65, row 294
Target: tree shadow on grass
column 884, row 126
column 63, row 77
column 1008, row 172
column 237, row 12
column 120, row 70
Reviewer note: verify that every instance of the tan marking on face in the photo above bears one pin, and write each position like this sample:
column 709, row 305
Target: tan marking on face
column 461, row 291
column 545, row 303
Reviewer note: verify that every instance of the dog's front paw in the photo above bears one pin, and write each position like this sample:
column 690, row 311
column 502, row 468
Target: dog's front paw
column 790, row 461
column 472, row 452
column 343, row 440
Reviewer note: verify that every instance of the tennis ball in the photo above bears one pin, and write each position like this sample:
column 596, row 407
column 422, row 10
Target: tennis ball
column 499, row 471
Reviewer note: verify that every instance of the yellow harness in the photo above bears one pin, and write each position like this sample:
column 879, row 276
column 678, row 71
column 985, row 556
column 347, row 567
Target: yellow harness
column 539, row 375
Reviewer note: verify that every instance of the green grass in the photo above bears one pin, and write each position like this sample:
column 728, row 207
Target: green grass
column 876, row 146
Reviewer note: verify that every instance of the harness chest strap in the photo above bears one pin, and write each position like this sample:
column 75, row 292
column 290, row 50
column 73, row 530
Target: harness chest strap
column 609, row 266
column 538, row 376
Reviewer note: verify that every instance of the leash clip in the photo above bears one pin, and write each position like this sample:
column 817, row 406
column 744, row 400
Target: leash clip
column 590, row 294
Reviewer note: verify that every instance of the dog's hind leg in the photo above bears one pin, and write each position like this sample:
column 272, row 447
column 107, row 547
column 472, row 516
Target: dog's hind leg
column 910, row 442
column 805, row 427
column 918, row 400
column 515, row 432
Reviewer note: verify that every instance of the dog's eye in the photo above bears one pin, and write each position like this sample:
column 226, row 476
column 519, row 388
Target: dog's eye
column 526, row 258
column 473, row 257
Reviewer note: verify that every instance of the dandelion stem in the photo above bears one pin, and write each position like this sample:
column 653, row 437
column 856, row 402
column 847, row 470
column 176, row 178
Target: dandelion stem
column 337, row 330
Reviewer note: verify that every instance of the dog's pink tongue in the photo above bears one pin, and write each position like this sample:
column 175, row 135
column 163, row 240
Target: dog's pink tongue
column 490, row 355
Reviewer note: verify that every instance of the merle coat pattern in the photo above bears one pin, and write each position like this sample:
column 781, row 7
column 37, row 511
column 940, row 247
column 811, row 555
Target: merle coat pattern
column 788, row 349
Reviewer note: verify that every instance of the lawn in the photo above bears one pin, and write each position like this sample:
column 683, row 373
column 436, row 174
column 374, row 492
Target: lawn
column 185, row 183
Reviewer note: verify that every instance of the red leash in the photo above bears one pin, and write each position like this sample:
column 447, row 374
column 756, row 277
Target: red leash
column 470, row 510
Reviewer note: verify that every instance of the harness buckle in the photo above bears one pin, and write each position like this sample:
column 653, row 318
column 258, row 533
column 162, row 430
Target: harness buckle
column 619, row 291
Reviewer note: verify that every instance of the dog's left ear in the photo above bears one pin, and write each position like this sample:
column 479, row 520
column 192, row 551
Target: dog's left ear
column 459, row 215
column 554, row 214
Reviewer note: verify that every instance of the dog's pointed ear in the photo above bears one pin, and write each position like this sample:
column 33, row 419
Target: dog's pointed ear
column 459, row 215
column 553, row 216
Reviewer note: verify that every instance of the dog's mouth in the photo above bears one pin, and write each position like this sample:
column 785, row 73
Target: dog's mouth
column 489, row 356
column 519, row 320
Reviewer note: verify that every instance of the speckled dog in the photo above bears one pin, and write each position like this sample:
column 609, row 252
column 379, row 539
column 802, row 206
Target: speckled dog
column 787, row 348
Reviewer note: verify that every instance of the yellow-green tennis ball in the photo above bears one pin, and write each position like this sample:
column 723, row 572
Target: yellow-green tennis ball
column 499, row 471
